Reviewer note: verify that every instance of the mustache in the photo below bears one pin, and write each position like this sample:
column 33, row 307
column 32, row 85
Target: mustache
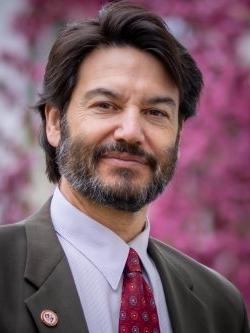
column 124, row 147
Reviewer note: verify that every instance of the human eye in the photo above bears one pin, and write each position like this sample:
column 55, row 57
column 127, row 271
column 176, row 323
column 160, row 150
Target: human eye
column 157, row 113
column 104, row 105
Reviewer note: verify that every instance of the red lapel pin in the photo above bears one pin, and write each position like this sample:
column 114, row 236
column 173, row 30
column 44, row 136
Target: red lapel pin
column 49, row 318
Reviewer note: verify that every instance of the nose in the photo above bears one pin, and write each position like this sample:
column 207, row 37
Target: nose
column 129, row 128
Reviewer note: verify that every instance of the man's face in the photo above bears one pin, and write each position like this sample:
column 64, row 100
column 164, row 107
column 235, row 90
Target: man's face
column 119, row 139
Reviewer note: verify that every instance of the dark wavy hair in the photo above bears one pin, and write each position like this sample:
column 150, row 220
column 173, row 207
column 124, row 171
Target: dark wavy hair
column 118, row 24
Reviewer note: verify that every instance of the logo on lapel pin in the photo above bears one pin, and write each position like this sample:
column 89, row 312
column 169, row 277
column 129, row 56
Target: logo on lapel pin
column 49, row 318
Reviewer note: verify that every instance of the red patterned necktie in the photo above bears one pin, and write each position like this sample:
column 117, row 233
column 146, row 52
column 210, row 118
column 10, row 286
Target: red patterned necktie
column 138, row 312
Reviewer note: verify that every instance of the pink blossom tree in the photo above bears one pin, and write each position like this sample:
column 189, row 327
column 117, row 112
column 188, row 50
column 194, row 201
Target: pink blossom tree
column 205, row 211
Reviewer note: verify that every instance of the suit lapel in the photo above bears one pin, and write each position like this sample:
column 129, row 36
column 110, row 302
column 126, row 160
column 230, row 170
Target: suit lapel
column 187, row 312
column 48, row 271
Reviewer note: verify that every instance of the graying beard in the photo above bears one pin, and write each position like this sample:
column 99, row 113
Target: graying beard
column 127, row 199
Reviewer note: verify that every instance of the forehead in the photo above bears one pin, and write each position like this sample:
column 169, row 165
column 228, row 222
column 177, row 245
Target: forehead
column 124, row 68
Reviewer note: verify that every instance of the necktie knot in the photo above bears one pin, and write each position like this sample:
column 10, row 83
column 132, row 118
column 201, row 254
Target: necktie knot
column 133, row 262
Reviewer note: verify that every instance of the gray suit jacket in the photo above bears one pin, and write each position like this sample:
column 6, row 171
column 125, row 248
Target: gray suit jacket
column 35, row 275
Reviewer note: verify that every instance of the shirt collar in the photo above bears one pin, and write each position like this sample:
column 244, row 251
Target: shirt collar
column 100, row 245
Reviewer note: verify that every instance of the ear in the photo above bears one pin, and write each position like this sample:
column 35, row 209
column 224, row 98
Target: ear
column 53, row 131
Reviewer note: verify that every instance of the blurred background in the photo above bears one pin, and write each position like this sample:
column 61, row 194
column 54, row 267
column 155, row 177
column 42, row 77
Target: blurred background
column 205, row 211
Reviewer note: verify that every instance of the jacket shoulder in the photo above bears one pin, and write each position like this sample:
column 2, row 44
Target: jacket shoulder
column 12, row 248
column 198, row 272
column 11, row 235
column 214, row 289
column 220, row 297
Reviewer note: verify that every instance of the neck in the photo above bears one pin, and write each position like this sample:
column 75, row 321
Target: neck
column 127, row 225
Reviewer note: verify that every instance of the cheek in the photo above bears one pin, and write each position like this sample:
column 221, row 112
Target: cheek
column 163, row 135
column 92, row 129
column 160, row 144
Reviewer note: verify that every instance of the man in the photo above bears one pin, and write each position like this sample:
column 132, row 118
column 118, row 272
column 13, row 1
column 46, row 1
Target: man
column 117, row 90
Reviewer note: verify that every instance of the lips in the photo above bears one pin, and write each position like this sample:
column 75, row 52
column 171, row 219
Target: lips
column 126, row 157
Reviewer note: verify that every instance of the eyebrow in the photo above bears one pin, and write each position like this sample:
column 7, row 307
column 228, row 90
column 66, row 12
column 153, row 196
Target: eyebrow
column 161, row 100
column 101, row 91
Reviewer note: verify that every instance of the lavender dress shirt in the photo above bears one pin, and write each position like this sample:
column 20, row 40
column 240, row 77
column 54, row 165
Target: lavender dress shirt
column 97, row 257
